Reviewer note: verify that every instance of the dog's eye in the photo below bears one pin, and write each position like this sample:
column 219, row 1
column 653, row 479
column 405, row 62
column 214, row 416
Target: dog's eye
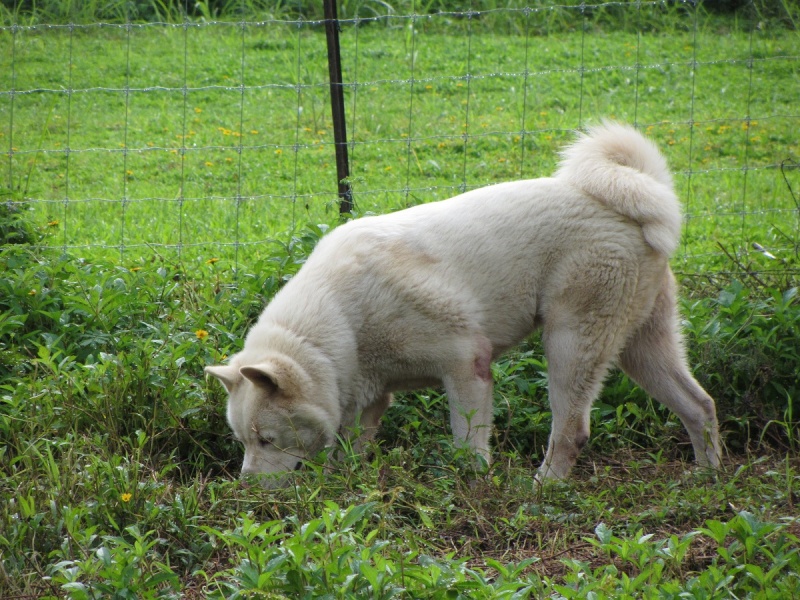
column 266, row 440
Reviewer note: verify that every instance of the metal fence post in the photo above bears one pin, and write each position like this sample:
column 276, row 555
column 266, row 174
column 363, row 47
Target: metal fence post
column 337, row 107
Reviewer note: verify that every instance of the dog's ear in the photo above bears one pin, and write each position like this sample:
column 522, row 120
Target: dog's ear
column 278, row 372
column 229, row 376
column 263, row 376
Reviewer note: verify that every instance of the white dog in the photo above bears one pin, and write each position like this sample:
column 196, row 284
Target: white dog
column 432, row 294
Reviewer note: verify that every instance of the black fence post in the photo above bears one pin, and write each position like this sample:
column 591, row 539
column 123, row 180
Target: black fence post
column 337, row 107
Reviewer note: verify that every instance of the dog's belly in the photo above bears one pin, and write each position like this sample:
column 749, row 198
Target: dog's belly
column 407, row 384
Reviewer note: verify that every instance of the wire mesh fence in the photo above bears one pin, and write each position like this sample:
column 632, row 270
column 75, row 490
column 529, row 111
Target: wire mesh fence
column 203, row 139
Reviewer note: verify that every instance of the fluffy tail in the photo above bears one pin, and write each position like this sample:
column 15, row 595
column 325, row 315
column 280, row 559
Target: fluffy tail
column 623, row 169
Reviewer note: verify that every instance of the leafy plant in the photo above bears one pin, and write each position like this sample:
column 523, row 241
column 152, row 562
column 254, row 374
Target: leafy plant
column 117, row 469
column 745, row 344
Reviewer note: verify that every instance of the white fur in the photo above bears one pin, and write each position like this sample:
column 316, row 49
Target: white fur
column 635, row 184
column 430, row 295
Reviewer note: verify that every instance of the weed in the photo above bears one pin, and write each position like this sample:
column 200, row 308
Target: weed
column 117, row 469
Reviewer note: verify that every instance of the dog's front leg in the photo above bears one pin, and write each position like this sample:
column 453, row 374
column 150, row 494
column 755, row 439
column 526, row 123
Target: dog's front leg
column 369, row 421
column 469, row 393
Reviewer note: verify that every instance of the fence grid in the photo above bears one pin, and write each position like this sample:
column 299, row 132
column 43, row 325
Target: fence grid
column 201, row 138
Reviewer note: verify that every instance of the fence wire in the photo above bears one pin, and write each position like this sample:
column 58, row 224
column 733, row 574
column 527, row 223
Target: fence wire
column 209, row 139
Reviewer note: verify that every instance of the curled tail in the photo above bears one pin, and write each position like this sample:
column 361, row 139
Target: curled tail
column 624, row 170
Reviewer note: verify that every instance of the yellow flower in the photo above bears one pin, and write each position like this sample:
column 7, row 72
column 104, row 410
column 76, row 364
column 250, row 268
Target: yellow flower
column 201, row 334
column 125, row 497
column 53, row 223
column 32, row 293
column 254, row 131
column 278, row 151
column 211, row 261
column 198, row 110
column 135, row 269
column 209, row 163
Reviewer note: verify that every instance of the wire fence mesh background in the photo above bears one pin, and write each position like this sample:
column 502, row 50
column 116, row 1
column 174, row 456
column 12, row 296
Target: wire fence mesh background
column 213, row 139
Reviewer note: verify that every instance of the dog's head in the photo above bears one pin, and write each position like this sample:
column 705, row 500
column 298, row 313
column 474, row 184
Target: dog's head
column 272, row 413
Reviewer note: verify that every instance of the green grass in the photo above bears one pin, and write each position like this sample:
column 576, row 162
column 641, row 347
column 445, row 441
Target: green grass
column 117, row 469
column 196, row 176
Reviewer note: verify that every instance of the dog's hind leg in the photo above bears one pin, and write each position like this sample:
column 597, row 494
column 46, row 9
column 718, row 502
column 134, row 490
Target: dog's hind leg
column 584, row 331
column 654, row 358
column 575, row 377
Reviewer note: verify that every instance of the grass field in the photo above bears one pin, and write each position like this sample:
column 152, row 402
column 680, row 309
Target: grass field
column 128, row 161
column 159, row 204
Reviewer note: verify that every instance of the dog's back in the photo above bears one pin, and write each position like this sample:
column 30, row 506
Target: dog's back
column 493, row 259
